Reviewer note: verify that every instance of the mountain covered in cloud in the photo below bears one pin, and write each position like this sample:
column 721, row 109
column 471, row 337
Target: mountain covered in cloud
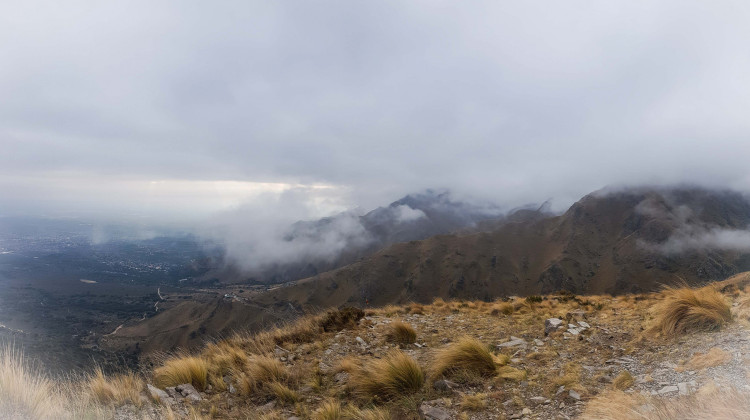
column 611, row 241
column 307, row 248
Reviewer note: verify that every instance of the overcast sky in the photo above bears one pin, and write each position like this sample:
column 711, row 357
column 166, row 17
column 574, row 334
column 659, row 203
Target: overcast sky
column 184, row 108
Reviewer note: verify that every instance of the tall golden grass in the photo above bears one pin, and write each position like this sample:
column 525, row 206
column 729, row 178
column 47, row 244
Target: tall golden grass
column 118, row 390
column 259, row 371
column 685, row 309
column 401, row 333
column 182, row 370
column 711, row 404
column 394, row 375
column 25, row 393
column 467, row 354
column 714, row 357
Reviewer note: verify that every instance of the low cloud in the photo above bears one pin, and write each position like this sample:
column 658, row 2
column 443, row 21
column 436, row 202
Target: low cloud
column 404, row 214
column 268, row 231
column 690, row 233
column 689, row 239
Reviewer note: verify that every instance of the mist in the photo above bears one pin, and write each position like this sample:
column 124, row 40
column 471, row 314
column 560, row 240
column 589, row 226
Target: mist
column 202, row 115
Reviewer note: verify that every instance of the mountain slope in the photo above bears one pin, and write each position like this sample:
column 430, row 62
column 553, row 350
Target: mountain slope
column 608, row 242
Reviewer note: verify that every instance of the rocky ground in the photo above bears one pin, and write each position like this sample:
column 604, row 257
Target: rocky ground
column 569, row 348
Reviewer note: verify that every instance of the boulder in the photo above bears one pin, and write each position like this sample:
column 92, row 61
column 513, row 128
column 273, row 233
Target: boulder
column 433, row 413
column 552, row 324
column 189, row 392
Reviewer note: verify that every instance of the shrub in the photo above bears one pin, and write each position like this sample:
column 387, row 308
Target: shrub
column 466, row 354
column 182, row 370
column 533, row 299
column 685, row 309
column 402, row 333
column 392, row 376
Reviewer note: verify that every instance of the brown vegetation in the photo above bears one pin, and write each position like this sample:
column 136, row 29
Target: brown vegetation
column 117, row 390
column 709, row 404
column 467, row 354
column 711, row 358
column 687, row 310
column 623, row 380
column 394, row 375
column 401, row 333
column 182, row 370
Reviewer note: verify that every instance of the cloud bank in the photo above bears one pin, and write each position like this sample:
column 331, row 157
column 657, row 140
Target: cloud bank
column 513, row 102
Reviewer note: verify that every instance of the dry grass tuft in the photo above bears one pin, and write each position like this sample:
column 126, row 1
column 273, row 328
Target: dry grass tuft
column 467, row 354
column 712, row 358
column 571, row 375
column 329, row 410
column 623, row 381
column 474, row 402
column 182, row 370
column 260, row 370
column 117, row 390
column 348, row 364
column 416, row 308
column 505, row 308
column 355, row 413
column 401, row 333
column 337, row 320
column 686, row 310
column 283, row 393
column 511, row 373
column 614, row 405
column 710, row 404
column 394, row 375
column 24, row 393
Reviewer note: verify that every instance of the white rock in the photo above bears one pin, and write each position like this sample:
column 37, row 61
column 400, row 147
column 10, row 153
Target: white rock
column 576, row 396
column 434, row 413
column 668, row 390
column 156, row 393
column 552, row 324
column 514, row 342
column 683, row 387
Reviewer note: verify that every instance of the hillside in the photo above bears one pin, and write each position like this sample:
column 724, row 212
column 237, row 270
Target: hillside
column 559, row 356
column 610, row 242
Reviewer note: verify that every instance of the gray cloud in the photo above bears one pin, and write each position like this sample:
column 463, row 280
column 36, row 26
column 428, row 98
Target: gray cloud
column 689, row 233
column 512, row 102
